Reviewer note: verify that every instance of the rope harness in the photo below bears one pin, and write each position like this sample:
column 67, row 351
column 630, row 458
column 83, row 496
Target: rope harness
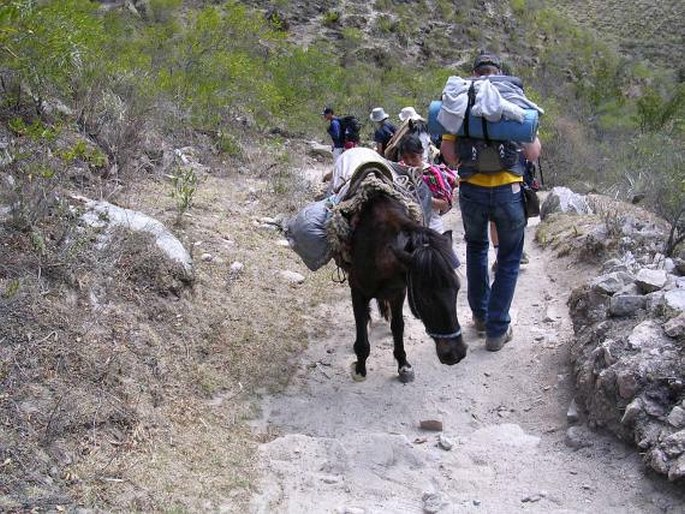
column 363, row 187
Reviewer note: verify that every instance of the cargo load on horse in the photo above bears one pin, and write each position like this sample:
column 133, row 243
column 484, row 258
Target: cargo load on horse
column 377, row 235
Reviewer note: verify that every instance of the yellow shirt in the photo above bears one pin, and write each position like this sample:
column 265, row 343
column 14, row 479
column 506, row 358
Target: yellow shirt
column 500, row 178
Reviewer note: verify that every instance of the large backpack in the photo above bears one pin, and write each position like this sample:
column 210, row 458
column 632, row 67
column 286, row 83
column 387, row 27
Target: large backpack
column 484, row 155
column 350, row 128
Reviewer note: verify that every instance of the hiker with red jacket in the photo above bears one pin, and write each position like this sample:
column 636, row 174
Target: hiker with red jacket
column 490, row 189
column 335, row 131
column 440, row 180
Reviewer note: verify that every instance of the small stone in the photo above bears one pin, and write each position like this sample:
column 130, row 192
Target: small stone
column 433, row 503
column 292, row 277
column 431, row 424
column 677, row 469
column 633, row 409
column 207, row 257
column 476, row 502
column 650, row 280
column 237, row 267
column 532, row 498
column 676, row 418
column 675, row 327
column 445, row 442
column 674, row 444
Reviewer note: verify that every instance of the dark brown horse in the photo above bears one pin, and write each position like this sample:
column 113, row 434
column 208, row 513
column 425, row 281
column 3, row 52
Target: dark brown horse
column 392, row 254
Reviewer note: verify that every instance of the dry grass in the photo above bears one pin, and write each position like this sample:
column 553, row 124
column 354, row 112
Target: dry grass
column 126, row 389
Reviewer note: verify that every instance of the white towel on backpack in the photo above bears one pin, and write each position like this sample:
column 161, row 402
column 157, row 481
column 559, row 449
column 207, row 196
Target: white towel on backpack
column 494, row 101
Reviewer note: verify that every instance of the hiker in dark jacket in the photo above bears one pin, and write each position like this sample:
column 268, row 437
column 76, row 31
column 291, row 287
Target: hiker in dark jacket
column 384, row 129
column 335, row 131
column 490, row 193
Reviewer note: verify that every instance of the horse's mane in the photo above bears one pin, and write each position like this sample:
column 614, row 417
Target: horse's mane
column 431, row 267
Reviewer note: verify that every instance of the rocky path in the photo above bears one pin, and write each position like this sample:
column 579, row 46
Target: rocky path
column 339, row 446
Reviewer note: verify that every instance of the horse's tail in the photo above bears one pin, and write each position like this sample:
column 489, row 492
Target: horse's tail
column 384, row 308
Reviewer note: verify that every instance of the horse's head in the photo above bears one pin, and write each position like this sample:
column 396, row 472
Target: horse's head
column 432, row 285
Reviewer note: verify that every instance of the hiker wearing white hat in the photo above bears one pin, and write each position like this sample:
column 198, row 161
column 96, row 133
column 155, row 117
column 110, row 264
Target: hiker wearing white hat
column 384, row 130
column 409, row 113
column 412, row 123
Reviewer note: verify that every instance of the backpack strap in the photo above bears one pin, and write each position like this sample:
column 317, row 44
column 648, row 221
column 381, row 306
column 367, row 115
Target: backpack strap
column 467, row 114
column 485, row 129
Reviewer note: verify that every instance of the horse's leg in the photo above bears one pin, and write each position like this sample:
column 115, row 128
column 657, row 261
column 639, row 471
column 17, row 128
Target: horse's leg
column 397, row 327
column 360, row 306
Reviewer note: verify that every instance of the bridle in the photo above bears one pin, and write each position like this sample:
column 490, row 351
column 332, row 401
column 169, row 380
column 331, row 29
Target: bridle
column 414, row 308
column 445, row 336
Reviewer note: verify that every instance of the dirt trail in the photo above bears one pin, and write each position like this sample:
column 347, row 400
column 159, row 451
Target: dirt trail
column 347, row 447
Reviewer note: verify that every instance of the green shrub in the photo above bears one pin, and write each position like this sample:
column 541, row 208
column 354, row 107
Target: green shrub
column 81, row 151
column 228, row 144
column 385, row 24
column 36, row 130
column 331, row 18
column 50, row 45
column 184, row 185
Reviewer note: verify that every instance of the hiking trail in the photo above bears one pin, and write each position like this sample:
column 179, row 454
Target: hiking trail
column 341, row 446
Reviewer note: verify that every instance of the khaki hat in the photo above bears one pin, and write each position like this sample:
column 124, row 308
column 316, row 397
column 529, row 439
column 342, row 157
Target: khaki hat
column 378, row 114
column 409, row 113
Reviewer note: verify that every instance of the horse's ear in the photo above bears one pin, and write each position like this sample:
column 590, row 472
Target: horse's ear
column 403, row 248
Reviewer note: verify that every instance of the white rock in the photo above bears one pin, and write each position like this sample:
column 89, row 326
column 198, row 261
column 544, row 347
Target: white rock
column 292, row 277
column 104, row 214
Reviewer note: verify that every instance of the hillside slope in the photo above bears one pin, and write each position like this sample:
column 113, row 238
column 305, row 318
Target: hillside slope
column 647, row 30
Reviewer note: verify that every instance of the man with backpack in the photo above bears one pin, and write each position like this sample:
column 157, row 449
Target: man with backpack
column 384, row 129
column 335, row 131
column 491, row 189
column 344, row 131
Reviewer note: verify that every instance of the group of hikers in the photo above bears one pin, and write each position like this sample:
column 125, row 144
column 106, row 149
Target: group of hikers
column 489, row 174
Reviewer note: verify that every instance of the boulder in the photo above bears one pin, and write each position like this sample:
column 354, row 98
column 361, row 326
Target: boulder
column 562, row 199
column 107, row 216
column 650, row 280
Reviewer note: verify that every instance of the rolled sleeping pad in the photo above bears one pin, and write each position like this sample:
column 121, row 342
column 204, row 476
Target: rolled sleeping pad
column 503, row 130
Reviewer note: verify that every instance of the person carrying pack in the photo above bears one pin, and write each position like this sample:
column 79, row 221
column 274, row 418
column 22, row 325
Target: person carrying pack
column 411, row 123
column 351, row 129
column 344, row 131
column 491, row 189
column 335, row 131
column 384, row 129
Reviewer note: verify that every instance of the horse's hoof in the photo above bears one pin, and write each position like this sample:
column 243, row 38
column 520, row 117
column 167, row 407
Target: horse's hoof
column 406, row 374
column 356, row 376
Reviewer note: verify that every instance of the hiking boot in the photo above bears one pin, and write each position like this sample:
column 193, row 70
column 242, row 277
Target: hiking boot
column 480, row 325
column 524, row 258
column 495, row 344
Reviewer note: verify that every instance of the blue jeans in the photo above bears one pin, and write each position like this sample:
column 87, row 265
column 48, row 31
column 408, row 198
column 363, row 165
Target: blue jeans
column 504, row 206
